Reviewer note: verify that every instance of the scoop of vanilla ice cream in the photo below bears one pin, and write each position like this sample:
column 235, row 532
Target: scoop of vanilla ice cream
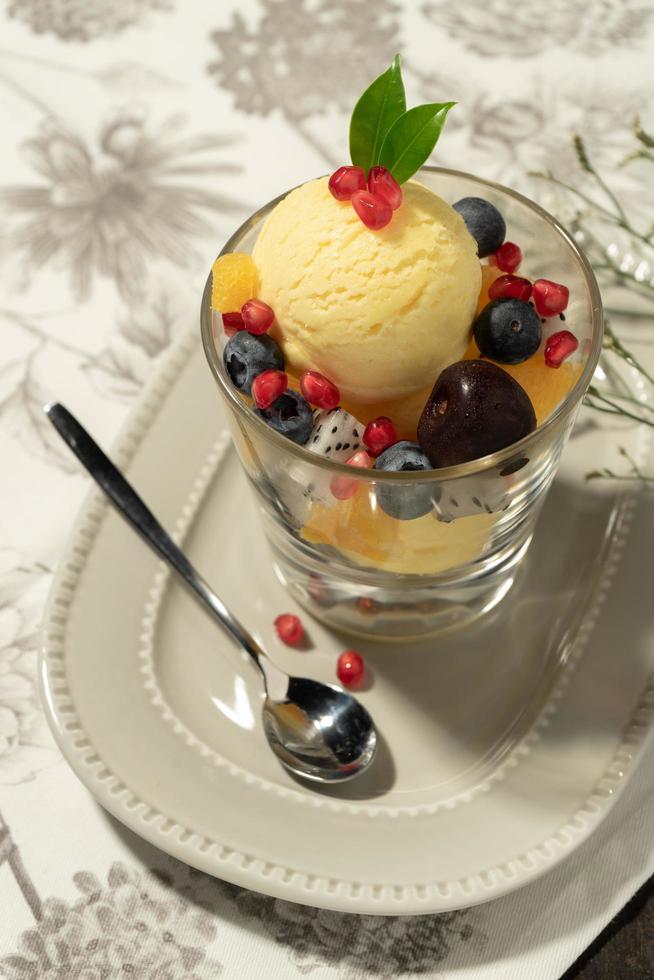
column 380, row 313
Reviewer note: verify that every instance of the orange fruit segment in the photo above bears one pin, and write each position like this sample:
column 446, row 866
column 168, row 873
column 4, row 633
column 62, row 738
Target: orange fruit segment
column 404, row 412
column 366, row 535
column 233, row 281
column 546, row 386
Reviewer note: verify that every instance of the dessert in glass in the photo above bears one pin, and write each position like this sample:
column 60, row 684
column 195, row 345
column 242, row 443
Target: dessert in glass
column 402, row 360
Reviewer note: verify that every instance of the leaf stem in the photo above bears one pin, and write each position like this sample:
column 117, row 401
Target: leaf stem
column 613, row 343
column 632, row 400
column 604, row 187
column 618, row 220
column 636, row 474
column 631, row 314
column 641, row 135
column 625, row 477
column 625, row 279
column 642, row 288
column 550, row 178
column 613, row 409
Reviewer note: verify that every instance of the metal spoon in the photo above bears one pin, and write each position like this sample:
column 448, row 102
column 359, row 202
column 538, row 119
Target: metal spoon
column 316, row 730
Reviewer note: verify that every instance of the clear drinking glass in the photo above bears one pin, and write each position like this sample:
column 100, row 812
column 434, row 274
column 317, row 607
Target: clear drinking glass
column 348, row 562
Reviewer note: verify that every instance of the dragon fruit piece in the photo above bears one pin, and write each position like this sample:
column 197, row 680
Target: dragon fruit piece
column 483, row 494
column 336, row 434
column 298, row 486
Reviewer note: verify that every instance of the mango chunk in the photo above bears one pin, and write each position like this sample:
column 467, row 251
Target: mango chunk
column 546, row 386
column 233, row 281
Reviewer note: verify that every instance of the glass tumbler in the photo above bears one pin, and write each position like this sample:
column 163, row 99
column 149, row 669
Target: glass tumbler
column 403, row 555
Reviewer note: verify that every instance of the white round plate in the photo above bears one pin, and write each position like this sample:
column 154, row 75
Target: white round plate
column 501, row 746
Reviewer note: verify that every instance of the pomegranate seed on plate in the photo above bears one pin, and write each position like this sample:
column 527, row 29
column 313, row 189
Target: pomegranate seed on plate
column 559, row 346
column 341, row 486
column 232, row 323
column 257, row 316
column 365, row 604
column 289, row 629
column 382, row 183
column 550, row 298
column 508, row 257
column 319, row 390
column 350, row 668
column 379, row 434
column 513, row 286
column 345, row 181
column 374, row 211
column 267, row 387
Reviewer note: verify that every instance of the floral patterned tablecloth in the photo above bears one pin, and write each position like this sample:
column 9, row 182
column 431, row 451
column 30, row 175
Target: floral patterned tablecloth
column 136, row 135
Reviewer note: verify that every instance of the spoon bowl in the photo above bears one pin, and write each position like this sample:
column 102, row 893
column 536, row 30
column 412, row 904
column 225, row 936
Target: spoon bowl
column 319, row 731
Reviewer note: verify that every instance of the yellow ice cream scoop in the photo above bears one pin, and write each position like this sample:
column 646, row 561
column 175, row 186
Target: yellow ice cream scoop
column 380, row 313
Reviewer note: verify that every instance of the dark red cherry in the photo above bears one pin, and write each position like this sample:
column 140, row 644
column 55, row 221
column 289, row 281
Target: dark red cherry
column 475, row 409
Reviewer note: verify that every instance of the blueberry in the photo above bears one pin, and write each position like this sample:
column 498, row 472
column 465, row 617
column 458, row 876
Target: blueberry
column 405, row 502
column 476, row 408
column 290, row 415
column 246, row 355
column 507, row 330
column 484, row 222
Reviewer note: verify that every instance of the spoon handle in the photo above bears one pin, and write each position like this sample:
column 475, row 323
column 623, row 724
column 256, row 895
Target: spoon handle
column 128, row 503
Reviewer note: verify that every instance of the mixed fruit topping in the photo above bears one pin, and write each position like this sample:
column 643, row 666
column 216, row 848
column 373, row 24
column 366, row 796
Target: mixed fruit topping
column 484, row 400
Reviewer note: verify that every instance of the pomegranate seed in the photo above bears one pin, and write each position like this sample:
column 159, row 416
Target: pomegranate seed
column 379, row 434
column 345, row 181
column 559, row 346
column 341, row 486
column 289, row 629
column 374, row 211
column 360, row 459
column 513, row 286
column 232, row 323
column 350, row 668
column 318, row 590
column 550, row 298
column 382, row 183
column 257, row 316
column 365, row 604
column 319, row 390
column 508, row 257
column 267, row 387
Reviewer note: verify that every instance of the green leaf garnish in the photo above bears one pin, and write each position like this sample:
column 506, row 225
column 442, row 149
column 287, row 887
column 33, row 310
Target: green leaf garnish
column 412, row 138
column 383, row 132
column 379, row 107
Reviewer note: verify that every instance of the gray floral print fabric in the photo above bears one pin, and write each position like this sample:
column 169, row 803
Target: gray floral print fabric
column 137, row 134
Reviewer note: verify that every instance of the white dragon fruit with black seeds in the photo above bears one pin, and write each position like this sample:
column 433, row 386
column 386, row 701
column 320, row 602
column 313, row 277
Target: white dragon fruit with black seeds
column 488, row 494
column 336, row 434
